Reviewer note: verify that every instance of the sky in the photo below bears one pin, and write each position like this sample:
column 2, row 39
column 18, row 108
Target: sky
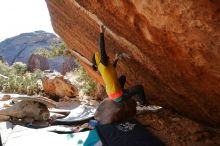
column 21, row 16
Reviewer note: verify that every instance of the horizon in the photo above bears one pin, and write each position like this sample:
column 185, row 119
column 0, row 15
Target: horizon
column 27, row 33
column 23, row 16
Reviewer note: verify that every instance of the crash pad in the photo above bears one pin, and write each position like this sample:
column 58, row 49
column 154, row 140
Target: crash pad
column 22, row 136
column 5, row 131
column 128, row 133
column 77, row 114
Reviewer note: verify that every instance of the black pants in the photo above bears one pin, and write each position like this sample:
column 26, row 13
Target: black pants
column 132, row 91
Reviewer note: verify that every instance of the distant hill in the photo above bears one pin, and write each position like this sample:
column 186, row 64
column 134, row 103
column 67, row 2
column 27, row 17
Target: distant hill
column 21, row 47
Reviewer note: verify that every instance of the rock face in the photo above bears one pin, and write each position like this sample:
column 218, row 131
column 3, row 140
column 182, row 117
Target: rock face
column 37, row 62
column 173, row 47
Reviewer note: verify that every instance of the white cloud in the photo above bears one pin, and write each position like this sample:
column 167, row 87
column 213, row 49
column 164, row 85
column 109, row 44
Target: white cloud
column 20, row 16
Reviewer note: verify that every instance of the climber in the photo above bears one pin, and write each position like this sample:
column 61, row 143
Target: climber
column 114, row 86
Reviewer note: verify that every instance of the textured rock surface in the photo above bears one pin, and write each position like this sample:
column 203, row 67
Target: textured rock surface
column 57, row 86
column 27, row 109
column 69, row 64
column 37, row 62
column 173, row 45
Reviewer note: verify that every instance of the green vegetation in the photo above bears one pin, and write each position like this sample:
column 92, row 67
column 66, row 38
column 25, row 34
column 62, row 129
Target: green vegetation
column 19, row 80
column 82, row 81
column 56, row 50
column 19, row 68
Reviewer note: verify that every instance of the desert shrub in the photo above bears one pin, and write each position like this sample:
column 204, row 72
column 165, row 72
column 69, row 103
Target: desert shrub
column 42, row 52
column 19, row 68
column 4, row 69
column 82, row 81
column 19, row 80
column 56, row 50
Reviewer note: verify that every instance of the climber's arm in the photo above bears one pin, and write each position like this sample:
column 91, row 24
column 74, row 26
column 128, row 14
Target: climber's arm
column 104, row 57
column 94, row 65
column 115, row 60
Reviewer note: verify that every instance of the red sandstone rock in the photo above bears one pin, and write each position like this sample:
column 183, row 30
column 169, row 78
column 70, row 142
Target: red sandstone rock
column 37, row 62
column 68, row 65
column 173, row 45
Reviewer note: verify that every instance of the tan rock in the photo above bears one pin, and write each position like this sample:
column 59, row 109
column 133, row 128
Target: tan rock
column 59, row 87
column 4, row 118
column 27, row 109
column 5, row 98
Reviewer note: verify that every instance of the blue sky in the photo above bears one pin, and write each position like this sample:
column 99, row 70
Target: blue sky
column 20, row 16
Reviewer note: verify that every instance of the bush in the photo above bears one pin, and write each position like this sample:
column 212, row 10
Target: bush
column 4, row 69
column 19, row 68
column 56, row 50
column 19, row 80
column 82, row 81
column 42, row 52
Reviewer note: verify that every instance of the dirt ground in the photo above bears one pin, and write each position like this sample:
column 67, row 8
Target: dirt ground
column 176, row 130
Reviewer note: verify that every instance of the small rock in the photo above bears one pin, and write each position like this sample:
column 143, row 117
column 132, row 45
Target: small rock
column 6, row 105
column 59, row 87
column 4, row 118
column 5, row 98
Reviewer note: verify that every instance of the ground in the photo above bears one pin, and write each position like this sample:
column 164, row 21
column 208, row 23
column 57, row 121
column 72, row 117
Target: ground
column 176, row 130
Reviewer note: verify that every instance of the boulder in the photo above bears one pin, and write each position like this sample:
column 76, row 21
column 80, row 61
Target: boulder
column 110, row 111
column 63, row 64
column 57, row 86
column 173, row 47
column 37, row 62
column 27, row 109
column 5, row 97
column 69, row 64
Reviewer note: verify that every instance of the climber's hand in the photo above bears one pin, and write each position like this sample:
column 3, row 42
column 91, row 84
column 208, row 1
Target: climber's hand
column 118, row 56
column 94, row 67
column 102, row 28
